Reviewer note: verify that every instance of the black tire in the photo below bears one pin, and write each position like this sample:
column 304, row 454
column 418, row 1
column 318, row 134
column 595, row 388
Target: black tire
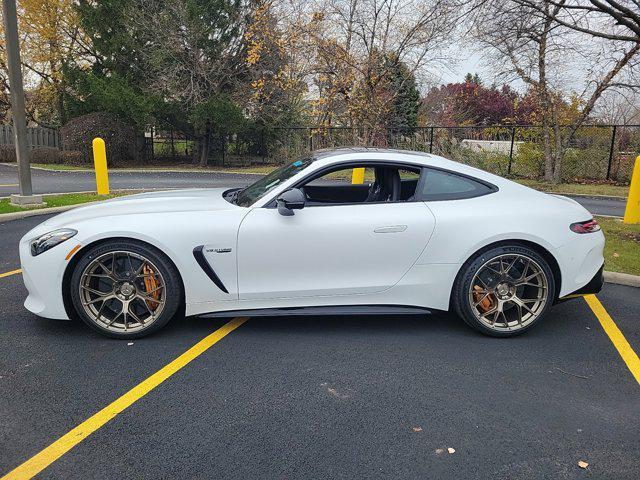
column 461, row 298
column 173, row 296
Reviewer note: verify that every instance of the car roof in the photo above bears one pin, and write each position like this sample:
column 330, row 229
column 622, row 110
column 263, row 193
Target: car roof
column 335, row 152
column 336, row 155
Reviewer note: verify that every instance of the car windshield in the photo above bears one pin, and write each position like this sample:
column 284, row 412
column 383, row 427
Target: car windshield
column 252, row 193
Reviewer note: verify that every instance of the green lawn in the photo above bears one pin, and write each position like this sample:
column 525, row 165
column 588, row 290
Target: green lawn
column 578, row 188
column 57, row 201
column 60, row 166
column 622, row 247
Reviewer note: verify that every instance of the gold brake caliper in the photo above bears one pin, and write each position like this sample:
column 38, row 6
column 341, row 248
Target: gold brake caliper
column 487, row 303
column 151, row 286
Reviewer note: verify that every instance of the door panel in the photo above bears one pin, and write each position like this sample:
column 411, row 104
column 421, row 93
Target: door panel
column 330, row 250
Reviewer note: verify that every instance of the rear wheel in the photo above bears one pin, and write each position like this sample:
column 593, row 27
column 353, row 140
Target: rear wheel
column 125, row 289
column 504, row 291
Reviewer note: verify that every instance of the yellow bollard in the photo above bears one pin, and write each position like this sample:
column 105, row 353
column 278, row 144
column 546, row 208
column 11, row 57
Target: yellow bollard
column 632, row 212
column 357, row 177
column 100, row 165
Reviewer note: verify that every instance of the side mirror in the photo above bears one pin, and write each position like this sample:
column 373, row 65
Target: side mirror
column 290, row 200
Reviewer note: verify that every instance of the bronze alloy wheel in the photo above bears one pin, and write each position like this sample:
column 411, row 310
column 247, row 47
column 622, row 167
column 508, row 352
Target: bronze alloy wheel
column 508, row 292
column 122, row 291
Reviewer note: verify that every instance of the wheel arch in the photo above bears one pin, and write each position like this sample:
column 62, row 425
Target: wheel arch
column 68, row 272
column 539, row 249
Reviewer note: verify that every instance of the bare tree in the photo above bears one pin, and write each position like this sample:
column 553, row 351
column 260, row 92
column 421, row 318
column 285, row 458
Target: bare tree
column 608, row 19
column 358, row 44
column 528, row 43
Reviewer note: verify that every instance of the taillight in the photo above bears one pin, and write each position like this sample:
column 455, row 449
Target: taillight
column 588, row 226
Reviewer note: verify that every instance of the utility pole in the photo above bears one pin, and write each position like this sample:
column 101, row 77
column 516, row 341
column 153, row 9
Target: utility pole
column 18, row 114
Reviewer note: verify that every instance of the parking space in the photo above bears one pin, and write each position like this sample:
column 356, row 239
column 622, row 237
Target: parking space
column 341, row 397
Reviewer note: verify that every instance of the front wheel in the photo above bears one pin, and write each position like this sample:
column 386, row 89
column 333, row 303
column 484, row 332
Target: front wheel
column 125, row 289
column 504, row 291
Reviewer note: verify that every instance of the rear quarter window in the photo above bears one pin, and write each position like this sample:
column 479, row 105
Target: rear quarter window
column 441, row 185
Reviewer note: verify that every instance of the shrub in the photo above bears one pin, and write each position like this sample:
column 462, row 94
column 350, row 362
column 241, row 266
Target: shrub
column 45, row 155
column 7, row 154
column 50, row 156
column 528, row 161
column 119, row 137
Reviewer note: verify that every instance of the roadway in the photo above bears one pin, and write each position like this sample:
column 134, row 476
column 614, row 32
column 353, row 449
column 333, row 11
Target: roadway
column 47, row 181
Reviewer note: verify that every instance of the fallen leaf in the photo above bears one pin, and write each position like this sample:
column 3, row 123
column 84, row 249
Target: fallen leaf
column 416, row 429
column 583, row 464
column 615, row 255
column 451, row 450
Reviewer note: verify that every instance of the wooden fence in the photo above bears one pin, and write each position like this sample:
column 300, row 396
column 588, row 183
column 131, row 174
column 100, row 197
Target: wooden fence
column 37, row 137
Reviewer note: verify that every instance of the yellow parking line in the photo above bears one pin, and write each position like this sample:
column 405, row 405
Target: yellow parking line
column 622, row 345
column 9, row 185
column 46, row 457
column 12, row 272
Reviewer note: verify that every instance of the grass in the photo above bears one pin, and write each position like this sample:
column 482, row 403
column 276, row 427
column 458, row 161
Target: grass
column 622, row 247
column 578, row 188
column 57, row 201
column 64, row 167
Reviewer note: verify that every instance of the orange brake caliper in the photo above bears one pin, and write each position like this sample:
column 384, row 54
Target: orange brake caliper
column 151, row 286
column 487, row 302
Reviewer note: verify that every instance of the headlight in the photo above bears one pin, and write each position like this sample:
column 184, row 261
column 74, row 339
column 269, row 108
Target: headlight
column 50, row 240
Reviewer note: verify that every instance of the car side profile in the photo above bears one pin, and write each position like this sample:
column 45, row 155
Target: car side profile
column 344, row 231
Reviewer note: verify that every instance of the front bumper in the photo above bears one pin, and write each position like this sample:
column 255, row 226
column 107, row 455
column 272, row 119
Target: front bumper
column 42, row 275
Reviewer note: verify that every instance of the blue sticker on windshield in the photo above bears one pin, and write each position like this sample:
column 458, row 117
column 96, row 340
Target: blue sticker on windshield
column 297, row 164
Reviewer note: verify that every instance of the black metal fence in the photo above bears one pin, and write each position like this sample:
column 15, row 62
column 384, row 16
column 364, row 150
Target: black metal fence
column 595, row 152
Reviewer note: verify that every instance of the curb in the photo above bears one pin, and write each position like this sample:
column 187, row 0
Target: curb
column 113, row 190
column 622, row 279
column 7, row 217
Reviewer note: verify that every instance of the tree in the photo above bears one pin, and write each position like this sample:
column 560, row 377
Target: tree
column 275, row 83
column 470, row 103
column 406, row 103
column 537, row 49
column 359, row 46
column 51, row 40
column 608, row 19
column 181, row 58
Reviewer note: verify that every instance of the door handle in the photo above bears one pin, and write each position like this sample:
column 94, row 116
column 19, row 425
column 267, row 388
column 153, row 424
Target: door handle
column 390, row 229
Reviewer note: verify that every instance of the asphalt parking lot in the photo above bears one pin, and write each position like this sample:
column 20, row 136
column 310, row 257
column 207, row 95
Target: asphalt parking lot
column 317, row 397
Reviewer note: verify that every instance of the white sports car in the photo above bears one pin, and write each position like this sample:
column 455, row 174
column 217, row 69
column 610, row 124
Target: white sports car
column 351, row 231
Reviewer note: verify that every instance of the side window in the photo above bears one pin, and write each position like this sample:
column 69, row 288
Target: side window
column 362, row 184
column 345, row 176
column 340, row 187
column 439, row 185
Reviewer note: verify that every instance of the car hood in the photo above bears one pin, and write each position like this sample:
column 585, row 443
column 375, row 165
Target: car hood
column 205, row 199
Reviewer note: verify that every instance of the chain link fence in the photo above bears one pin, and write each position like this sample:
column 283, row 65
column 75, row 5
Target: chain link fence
column 595, row 152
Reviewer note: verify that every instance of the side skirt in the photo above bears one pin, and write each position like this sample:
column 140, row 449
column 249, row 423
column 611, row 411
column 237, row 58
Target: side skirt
column 320, row 311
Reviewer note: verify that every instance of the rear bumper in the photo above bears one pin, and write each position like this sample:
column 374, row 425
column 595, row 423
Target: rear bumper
column 594, row 286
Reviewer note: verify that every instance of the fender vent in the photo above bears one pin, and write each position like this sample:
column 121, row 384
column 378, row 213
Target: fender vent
column 199, row 256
